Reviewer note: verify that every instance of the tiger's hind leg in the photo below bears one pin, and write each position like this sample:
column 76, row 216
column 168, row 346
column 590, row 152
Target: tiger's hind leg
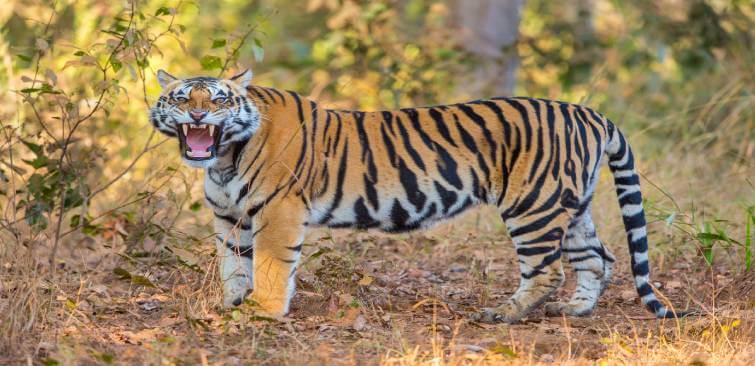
column 591, row 261
column 538, row 240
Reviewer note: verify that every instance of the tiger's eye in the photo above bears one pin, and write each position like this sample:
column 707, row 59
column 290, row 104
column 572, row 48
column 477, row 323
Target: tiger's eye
column 220, row 100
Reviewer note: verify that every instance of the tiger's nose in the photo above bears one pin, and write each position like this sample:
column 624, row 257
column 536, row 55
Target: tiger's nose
column 197, row 114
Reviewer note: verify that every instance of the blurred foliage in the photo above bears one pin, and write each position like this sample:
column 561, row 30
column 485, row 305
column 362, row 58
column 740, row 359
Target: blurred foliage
column 78, row 78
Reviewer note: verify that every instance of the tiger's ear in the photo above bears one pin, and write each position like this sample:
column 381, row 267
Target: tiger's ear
column 243, row 79
column 164, row 78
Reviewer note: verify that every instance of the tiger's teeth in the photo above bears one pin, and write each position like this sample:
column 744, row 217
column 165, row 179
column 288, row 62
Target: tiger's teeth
column 212, row 130
column 186, row 128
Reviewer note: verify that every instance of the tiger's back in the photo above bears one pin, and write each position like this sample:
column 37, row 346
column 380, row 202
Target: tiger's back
column 406, row 169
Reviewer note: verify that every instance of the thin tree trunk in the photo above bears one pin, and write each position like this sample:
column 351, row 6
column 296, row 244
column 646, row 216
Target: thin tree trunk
column 489, row 29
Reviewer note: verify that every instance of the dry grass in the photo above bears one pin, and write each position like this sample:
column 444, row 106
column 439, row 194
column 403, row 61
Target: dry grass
column 364, row 298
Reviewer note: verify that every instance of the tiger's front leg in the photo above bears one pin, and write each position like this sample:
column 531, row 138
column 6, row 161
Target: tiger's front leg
column 235, row 249
column 279, row 231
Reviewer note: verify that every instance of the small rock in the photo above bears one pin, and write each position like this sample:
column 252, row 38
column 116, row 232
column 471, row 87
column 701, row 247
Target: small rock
column 457, row 269
column 360, row 323
column 699, row 359
column 99, row 289
column 469, row 347
column 148, row 305
column 233, row 360
column 674, row 284
column 628, row 295
column 417, row 273
column 657, row 285
column 547, row 358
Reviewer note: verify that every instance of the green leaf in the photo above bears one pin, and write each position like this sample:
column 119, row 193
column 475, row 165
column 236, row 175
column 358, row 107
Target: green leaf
column 141, row 281
column 195, row 206
column 50, row 362
column 748, row 238
column 117, row 65
column 707, row 238
column 75, row 220
column 43, row 89
column 122, row 273
column 135, row 279
column 217, row 43
column 105, row 357
column 504, row 350
column 162, row 11
column 209, row 62
column 36, row 149
column 79, row 53
column 24, row 57
column 259, row 52
column 39, row 162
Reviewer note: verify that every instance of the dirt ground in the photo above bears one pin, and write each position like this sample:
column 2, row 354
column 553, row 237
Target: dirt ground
column 370, row 298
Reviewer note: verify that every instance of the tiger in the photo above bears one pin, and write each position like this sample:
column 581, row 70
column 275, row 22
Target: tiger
column 278, row 164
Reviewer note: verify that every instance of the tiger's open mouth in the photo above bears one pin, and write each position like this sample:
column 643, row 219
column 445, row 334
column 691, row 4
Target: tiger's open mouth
column 199, row 141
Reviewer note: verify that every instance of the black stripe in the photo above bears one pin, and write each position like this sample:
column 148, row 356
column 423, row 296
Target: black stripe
column 256, row 208
column 448, row 198
column 440, row 124
column 339, row 184
column 555, row 234
column 234, row 221
column 530, row 251
column 326, row 128
column 388, row 120
column 242, row 193
column 260, row 147
column 367, row 156
column 537, row 224
column 409, row 182
column 635, row 221
column 372, row 194
column 408, row 145
column 583, row 258
column 244, row 251
column 213, row 203
column 283, row 99
column 389, row 148
column 644, row 289
column 296, row 248
column 363, row 218
column 525, row 119
column 547, row 261
column 477, row 119
column 641, row 268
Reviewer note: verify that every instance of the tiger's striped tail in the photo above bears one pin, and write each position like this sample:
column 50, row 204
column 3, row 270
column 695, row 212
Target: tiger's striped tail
column 627, row 181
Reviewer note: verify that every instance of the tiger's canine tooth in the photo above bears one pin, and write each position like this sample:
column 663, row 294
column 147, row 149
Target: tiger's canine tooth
column 186, row 128
column 212, row 130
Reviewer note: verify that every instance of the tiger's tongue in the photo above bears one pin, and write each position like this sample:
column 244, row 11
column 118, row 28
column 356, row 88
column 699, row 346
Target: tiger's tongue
column 199, row 140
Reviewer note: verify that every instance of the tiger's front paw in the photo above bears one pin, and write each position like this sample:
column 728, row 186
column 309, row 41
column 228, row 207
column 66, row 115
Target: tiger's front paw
column 235, row 290
column 268, row 306
column 509, row 313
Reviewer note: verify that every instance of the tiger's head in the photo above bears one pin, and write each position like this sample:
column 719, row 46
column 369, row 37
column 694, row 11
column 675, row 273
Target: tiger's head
column 207, row 115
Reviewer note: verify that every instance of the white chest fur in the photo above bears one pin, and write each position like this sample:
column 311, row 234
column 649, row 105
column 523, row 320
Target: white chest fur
column 222, row 188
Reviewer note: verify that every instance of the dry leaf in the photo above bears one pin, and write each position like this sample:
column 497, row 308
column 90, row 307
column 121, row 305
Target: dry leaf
column 366, row 281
